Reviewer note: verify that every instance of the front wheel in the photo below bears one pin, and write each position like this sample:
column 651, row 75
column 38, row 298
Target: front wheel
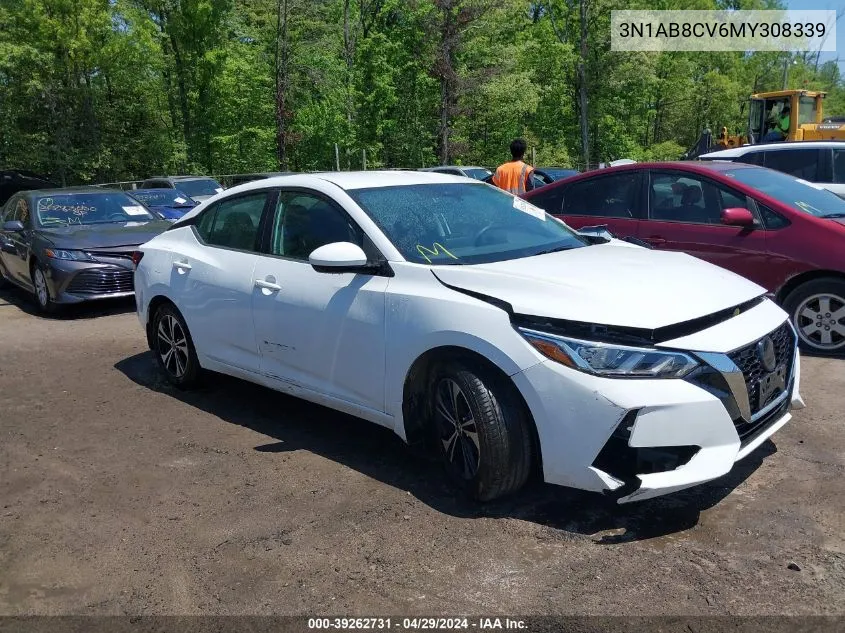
column 817, row 309
column 174, row 349
column 481, row 431
column 43, row 300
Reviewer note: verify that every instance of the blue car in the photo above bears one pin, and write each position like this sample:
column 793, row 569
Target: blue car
column 171, row 204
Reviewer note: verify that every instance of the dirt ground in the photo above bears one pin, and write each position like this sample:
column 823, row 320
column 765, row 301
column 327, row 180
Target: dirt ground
column 121, row 495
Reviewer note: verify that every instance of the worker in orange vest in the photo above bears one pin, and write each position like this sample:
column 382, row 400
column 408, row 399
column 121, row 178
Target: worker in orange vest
column 515, row 175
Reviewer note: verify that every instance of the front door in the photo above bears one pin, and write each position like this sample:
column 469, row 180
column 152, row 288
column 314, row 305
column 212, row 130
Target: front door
column 685, row 214
column 323, row 332
column 14, row 245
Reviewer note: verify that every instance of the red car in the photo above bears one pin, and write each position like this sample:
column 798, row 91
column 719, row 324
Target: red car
column 781, row 232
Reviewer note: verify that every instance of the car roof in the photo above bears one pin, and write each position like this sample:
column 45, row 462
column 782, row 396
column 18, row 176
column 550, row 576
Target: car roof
column 63, row 191
column 350, row 180
column 774, row 147
column 452, row 167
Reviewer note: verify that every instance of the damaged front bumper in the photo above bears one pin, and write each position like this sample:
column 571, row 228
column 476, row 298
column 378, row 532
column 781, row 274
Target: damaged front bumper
column 637, row 439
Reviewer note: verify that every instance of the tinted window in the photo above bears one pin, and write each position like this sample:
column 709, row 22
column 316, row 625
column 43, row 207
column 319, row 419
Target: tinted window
column 790, row 191
column 305, row 222
column 233, row 223
column 607, row 196
column 156, row 184
column 801, row 163
column 839, row 165
column 478, row 174
column 752, row 158
column 677, row 197
column 21, row 211
column 772, row 220
column 89, row 208
column 199, row 187
column 462, row 223
column 551, row 201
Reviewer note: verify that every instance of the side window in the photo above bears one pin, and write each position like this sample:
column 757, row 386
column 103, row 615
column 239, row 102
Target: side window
column 233, row 223
column 752, row 158
column 680, row 198
column 305, row 222
column 772, row 220
column 839, row 166
column 608, row 196
column 7, row 212
column 730, row 199
column 801, row 163
column 550, row 201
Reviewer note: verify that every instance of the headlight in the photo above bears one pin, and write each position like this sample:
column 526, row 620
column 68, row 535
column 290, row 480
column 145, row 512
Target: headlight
column 614, row 361
column 77, row 256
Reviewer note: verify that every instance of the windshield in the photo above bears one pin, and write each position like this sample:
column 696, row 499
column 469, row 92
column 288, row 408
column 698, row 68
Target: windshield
column 199, row 187
column 462, row 223
column 559, row 173
column 794, row 192
column 477, row 173
column 162, row 197
column 89, row 208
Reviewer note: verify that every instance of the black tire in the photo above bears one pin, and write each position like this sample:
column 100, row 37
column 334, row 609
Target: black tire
column 501, row 449
column 820, row 299
column 43, row 301
column 173, row 347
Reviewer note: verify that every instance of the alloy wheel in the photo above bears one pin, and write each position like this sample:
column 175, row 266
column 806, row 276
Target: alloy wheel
column 172, row 345
column 457, row 430
column 41, row 292
column 820, row 321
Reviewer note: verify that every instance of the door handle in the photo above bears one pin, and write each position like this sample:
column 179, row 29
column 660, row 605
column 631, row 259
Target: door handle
column 267, row 284
column 656, row 240
column 183, row 265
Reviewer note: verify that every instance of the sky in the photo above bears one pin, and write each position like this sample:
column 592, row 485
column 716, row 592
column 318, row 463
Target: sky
column 832, row 5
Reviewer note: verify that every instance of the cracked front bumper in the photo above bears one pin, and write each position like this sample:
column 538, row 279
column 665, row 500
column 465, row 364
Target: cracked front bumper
column 671, row 434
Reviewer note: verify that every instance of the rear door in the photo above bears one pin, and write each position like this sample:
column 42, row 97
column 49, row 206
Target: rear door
column 212, row 278
column 684, row 214
column 612, row 200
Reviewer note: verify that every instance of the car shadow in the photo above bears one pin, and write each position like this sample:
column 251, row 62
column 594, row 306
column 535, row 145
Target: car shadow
column 380, row 454
column 14, row 297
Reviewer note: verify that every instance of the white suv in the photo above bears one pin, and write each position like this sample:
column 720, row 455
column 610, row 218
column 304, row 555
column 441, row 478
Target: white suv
column 819, row 162
column 448, row 310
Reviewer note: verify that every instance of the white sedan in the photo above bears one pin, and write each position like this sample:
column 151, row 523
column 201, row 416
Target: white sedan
column 454, row 313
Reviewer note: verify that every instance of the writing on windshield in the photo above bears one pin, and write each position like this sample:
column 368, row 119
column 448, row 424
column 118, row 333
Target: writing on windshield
column 88, row 208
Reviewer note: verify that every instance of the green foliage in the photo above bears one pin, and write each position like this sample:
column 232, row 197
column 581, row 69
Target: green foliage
column 106, row 90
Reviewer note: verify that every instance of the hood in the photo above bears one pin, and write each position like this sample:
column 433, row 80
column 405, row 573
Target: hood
column 82, row 237
column 607, row 284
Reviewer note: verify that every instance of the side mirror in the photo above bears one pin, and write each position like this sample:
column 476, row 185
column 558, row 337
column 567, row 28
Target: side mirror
column 15, row 226
column 338, row 257
column 737, row 216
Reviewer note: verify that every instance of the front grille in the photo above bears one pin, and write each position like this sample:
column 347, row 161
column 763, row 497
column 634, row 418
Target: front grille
column 748, row 361
column 116, row 254
column 101, row 282
column 747, row 431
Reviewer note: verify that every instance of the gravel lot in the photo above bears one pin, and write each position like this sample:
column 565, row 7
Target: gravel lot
column 121, row 495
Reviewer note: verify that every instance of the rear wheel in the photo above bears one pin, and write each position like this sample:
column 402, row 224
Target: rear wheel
column 174, row 349
column 481, row 431
column 817, row 309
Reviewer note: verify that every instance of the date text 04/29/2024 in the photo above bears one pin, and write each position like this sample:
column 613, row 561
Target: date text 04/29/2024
column 416, row 624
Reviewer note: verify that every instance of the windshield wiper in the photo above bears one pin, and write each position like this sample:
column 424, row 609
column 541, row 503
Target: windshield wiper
column 556, row 249
column 833, row 215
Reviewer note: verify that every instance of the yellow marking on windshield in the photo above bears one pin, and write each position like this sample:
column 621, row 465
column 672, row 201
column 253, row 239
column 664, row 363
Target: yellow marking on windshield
column 438, row 249
column 807, row 207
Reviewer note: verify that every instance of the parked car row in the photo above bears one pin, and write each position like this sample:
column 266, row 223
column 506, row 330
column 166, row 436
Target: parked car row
column 462, row 317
